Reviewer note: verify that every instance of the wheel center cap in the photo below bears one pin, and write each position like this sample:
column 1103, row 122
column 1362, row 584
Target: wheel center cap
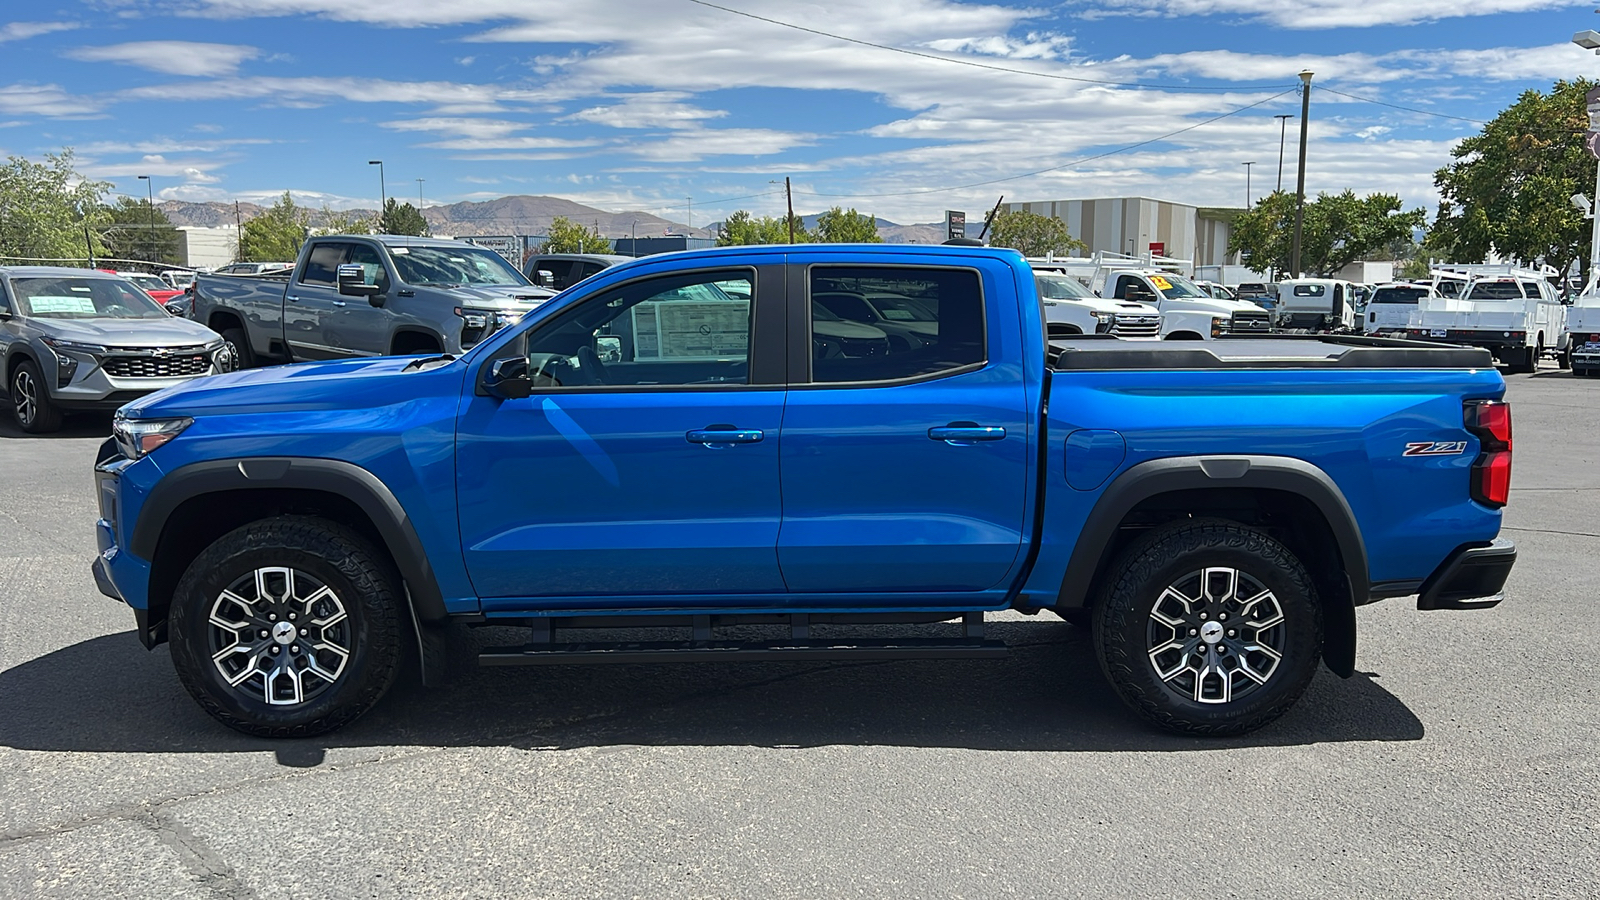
column 283, row 633
column 1210, row 632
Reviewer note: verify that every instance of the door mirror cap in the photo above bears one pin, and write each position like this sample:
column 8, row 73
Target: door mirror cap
column 353, row 282
column 508, row 379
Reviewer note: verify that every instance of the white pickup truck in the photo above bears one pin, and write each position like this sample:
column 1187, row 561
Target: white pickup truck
column 1393, row 307
column 1188, row 311
column 1516, row 315
column 1071, row 308
column 1583, row 334
column 1317, row 304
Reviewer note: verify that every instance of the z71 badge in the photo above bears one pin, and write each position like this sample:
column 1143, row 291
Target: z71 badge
column 1436, row 448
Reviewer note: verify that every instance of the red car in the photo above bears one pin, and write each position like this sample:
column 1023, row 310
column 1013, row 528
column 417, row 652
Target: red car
column 159, row 290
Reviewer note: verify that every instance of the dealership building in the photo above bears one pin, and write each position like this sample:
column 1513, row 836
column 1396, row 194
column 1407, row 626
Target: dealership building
column 1138, row 225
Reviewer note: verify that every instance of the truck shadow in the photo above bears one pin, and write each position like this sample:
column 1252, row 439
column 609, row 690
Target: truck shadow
column 109, row 695
column 76, row 425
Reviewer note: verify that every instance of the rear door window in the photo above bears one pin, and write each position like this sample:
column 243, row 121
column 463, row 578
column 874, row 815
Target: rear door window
column 322, row 265
column 943, row 333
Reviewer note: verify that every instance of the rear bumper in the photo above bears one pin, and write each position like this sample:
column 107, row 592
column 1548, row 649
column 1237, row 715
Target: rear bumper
column 1474, row 577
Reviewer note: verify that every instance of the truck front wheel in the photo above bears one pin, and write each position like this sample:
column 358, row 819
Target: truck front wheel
column 287, row 627
column 1208, row 627
column 239, row 348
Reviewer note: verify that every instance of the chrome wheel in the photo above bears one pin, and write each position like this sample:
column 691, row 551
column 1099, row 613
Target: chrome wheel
column 25, row 394
column 1216, row 635
column 279, row 636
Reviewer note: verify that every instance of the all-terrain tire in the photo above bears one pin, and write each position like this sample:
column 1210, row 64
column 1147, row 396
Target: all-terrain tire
column 35, row 412
column 239, row 346
column 359, row 591
column 1127, row 631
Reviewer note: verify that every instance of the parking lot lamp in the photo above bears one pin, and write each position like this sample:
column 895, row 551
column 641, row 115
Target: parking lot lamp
column 150, row 199
column 383, row 192
column 1283, row 132
column 1247, row 182
column 1300, row 187
column 1590, row 40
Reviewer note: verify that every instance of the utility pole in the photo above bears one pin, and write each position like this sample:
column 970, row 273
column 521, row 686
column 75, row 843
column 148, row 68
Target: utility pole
column 419, row 194
column 238, row 233
column 788, row 193
column 150, row 201
column 1283, row 132
column 1300, row 187
column 1247, row 183
column 690, row 201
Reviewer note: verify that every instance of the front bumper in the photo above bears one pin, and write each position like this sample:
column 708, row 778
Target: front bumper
column 117, row 573
column 1474, row 577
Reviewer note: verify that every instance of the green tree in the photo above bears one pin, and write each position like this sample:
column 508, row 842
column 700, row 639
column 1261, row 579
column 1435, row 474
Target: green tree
column 45, row 207
column 1338, row 229
column 837, row 226
column 275, row 235
column 401, row 218
column 742, row 228
column 333, row 221
column 1508, row 189
column 1032, row 234
column 567, row 236
column 135, row 230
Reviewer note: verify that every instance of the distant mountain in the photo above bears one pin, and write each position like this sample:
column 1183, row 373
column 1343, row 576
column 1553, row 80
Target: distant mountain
column 502, row 215
column 524, row 214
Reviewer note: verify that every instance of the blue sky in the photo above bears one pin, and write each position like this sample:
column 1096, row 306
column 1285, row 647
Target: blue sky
column 640, row 104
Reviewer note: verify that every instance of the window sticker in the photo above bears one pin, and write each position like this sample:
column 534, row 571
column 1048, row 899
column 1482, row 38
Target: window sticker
column 58, row 305
column 1161, row 283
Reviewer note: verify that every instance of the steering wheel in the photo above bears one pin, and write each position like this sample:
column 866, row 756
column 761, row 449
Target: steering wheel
column 544, row 370
column 590, row 364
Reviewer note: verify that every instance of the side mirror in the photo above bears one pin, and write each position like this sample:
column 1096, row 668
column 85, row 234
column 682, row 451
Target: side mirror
column 608, row 348
column 545, row 278
column 508, row 379
column 353, row 283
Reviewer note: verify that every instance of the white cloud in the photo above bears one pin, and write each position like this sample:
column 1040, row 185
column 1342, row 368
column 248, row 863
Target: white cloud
column 172, row 57
column 466, row 127
column 21, row 31
column 156, row 166
column 662, row 109
column 450, row 97
column 1308, row 14
column 46, row 100
column 690, row 145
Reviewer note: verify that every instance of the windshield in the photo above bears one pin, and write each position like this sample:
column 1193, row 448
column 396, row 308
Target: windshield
column 69, row 297
column 1496, row 290
column 148, row 282
column 1060, row 287
column 450, row 266
column 895, row 308
column 1174, row 287
column 1408, row 295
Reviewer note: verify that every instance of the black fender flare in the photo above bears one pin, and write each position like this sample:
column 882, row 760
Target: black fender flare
column 332, row 476
column 1277, row 473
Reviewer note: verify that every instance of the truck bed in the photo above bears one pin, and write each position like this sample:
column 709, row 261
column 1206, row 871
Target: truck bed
column 1263, row 352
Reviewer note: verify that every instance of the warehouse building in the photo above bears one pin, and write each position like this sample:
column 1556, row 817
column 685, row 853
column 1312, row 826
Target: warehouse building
column 1139, row 225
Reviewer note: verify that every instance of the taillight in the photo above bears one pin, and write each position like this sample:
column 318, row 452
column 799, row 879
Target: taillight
column 1490, row 422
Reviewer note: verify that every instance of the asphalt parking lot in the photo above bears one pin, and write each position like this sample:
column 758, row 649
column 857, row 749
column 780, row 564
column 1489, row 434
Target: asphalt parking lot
column 1460, row 761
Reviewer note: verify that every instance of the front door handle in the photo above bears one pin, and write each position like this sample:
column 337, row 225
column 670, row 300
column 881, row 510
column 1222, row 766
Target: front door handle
column 338, row 303
column 715, row 435
column 291, row 298
column 962, row 433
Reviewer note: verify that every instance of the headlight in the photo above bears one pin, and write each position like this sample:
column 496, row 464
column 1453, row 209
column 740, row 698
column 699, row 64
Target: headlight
column 1219, row 324
column 137, row 437
column 74, row 346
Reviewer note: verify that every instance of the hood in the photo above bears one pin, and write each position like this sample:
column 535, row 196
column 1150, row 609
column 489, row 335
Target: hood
column 846, row 329
column 167, row 332
column 1100, row 304
column 510, row 296
column 340, row 385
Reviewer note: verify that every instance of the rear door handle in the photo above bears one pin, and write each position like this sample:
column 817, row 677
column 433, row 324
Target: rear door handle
column 962, row 433
column 723, row 434
column 338, row 303
column 291, row 298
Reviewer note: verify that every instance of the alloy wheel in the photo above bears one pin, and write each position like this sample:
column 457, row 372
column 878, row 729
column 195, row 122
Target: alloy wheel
column 25, row 394
column 1216, row 635
column 280, row 636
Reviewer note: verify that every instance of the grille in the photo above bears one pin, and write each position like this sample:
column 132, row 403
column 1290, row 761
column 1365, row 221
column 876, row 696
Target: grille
column 157, row 366
column 1251, row 321
column 1136, row 326
column 862, row 347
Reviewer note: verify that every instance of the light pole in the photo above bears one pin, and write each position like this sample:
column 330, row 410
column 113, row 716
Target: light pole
column 1247, row 182
column 419, row 194
column 1283, row 132
column 690, row 201
column 383, row 192
column 1300, row 186
column 150, row 201
column 1590, row 40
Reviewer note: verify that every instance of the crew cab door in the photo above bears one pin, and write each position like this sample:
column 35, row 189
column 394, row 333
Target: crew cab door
column 905, row 472
column 644, row 466
column 321, row 323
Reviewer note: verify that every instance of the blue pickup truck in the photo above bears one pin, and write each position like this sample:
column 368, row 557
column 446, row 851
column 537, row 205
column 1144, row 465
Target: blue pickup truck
column 689, row 443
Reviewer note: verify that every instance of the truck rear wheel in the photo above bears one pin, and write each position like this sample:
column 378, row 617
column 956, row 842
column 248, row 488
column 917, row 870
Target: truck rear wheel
column 239, row 348
column 287, row 628
column 1208, row 627
column 1527, row 362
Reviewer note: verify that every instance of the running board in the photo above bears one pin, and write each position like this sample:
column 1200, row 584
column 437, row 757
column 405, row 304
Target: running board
column 553, row 654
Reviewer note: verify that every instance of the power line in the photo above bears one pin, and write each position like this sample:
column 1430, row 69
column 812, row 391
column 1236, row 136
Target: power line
column 973, row 63
column 1065, row 165
column 1406, row 108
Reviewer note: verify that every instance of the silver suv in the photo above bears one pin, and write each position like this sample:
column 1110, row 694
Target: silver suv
column 79, row 339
